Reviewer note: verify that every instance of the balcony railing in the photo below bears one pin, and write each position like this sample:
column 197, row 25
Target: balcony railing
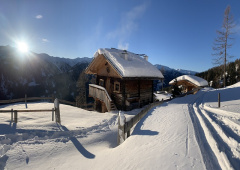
column 100, row 93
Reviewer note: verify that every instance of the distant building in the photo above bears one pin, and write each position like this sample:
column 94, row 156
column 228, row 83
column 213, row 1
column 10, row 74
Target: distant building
column 124, row 80
column 189, row 83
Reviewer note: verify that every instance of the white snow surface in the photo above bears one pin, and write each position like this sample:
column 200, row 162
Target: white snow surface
column 129, row 64
column 185, row 133
column 194, row 79
column 162, row 96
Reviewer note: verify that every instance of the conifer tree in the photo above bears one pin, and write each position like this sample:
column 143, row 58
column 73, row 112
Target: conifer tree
column 222, row 42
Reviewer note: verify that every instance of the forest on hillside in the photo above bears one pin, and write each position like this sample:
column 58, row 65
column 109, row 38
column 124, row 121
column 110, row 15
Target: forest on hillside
column 215, row 75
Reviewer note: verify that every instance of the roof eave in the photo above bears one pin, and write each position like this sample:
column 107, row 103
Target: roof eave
column 143, row 78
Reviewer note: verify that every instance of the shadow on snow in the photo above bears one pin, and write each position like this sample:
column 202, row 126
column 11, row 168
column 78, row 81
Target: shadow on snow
column 79, row 146
column 138, row 131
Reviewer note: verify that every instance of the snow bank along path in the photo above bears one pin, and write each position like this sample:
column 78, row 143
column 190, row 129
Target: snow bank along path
column 217, row 130
column 185, row 133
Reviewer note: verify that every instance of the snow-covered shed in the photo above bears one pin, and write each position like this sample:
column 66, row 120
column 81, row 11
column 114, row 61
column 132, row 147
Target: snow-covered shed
column 124, row 79
column 189, row 82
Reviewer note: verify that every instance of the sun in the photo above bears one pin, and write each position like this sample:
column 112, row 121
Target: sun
column 22, row 47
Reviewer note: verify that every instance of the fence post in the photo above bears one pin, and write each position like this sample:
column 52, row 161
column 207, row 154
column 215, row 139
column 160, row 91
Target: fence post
column 57, row 111
column 26, row 101
column 52, row 114
column 15, row 116
column 53, row 98
column 219, row 100
column 11, row 115
column 121, row 122
column 128, row 132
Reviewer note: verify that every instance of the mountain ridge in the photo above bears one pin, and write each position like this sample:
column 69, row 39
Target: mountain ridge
column 44, row 75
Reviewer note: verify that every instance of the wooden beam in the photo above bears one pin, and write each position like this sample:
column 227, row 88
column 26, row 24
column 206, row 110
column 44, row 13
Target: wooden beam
column 141, row 78
column 139, row 93
column 123, row 84
column 152, row 92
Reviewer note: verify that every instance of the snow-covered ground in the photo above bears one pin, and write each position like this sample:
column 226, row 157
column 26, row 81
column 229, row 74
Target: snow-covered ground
column 162, row 95
column 185, row 133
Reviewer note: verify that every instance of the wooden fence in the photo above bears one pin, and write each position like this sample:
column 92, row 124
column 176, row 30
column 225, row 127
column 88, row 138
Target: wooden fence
column 84, row 106
column 125, row 127
column 100, row 93
column 56, row 110
column 26, row 99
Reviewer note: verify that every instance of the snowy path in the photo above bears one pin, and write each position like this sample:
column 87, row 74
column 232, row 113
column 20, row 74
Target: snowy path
column 185, row 133
column 217, row 134
column 163, row 139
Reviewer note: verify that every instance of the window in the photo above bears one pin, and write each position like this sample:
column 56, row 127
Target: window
column 116, row 87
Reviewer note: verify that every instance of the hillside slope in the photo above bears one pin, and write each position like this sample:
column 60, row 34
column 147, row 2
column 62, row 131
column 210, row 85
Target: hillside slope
column 38, row 74
column 170, row 73
column 185, row 133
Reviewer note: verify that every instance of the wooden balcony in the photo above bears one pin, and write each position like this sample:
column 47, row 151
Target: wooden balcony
column 101, row 94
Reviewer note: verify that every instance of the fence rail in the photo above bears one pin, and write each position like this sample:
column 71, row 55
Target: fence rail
column 129, row 124
column 25, row 99
column 84, row 106
column 56, row 110
column 41, row 110
column 126, row 128
column 67, row 102
column 100, row 93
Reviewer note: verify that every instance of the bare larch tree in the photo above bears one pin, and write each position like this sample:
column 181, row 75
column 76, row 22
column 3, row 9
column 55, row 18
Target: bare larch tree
column 222, row 42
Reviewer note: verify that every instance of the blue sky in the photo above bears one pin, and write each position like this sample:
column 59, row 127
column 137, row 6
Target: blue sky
column 175, row 33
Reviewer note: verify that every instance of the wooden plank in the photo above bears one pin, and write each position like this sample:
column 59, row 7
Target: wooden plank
column 152, row 92
column 66, row 102
column 42, row 110
column 15, row 116
column 123, row 83
column 24, row 99
column 53, row 114
column 12, row 100
column 5, row 111
column 11, row 115
column 39, row 98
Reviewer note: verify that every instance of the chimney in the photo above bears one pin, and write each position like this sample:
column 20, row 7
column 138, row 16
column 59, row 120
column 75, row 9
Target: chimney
column 145, row 57
column 125, row 55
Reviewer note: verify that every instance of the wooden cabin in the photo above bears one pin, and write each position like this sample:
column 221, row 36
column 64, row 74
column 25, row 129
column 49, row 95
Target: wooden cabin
column 189, row 83
column 124, row 80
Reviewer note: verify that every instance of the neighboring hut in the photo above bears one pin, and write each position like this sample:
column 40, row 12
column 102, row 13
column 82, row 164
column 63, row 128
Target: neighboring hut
column 124, row 80
column 189, row 83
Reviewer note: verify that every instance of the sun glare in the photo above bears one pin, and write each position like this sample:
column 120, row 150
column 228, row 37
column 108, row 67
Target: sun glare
column 22, row 47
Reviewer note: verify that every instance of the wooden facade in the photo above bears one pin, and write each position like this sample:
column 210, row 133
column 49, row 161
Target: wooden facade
column 189, row 83
column 125, row 93
column 187, row 86
column 128, row 94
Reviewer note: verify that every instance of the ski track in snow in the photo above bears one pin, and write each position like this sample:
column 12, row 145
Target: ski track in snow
column 216, row 130
column 185, row 132
column 187, row 136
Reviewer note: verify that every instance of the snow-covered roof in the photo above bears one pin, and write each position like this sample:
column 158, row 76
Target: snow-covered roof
column 193, row 79
column 128, row 64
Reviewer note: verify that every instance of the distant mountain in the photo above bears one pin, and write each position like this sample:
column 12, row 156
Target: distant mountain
column 38, row 74
column 42, row 75
column 170, row 73
column 165, row 68
column 59, row 61
column 187, row 72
